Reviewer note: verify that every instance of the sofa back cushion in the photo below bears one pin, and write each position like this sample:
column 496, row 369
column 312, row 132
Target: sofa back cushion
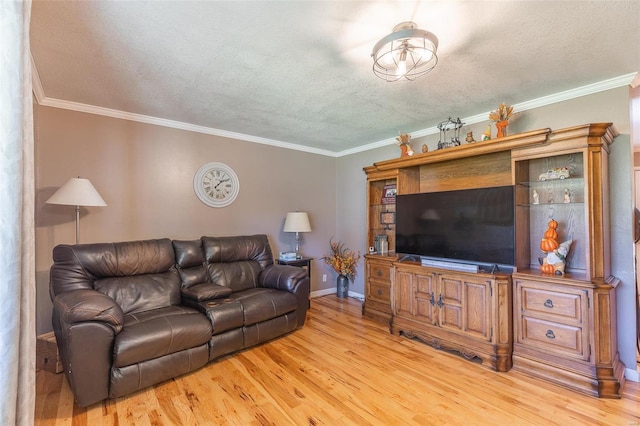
column 190, row 262
column 236, row 262
column 138, row 275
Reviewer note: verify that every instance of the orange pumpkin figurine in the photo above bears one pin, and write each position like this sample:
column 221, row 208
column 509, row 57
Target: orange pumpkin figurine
column 550, row 241
column 556, row 254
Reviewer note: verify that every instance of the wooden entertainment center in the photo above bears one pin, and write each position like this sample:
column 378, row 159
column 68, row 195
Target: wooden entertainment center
column 559, row 328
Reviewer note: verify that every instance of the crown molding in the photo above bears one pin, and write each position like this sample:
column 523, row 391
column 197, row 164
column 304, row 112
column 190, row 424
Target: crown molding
column 589, row 89
column 42, row 99
column 36, row 83
column 140, row 118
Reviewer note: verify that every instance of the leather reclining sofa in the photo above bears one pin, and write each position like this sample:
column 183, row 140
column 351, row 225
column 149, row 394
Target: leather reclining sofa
column 129, row 315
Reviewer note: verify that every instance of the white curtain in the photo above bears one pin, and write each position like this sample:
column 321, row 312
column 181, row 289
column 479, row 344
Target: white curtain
column 17, row 243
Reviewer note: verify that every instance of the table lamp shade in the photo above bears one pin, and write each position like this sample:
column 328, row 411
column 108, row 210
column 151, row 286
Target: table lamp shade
column 77, row 192
column 297, row 222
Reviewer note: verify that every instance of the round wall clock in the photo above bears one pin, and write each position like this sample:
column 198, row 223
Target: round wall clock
column 216, row 184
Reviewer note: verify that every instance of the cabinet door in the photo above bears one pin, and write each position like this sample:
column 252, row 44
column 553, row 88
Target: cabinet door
column 403, row 294
column 426, row 297
column 450, row 302
column 465, row 305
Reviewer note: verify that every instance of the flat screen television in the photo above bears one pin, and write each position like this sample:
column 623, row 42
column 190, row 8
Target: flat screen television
column 470, row 226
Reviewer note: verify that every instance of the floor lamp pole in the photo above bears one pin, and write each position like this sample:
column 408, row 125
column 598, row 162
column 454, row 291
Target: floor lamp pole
column 77, row 224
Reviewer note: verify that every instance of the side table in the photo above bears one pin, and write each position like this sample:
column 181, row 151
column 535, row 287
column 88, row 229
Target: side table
column 303, row 262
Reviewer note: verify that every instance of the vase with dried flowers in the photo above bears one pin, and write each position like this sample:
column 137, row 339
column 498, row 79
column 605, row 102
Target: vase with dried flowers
column 501, row 118
column 405, row 146
column 344, row 261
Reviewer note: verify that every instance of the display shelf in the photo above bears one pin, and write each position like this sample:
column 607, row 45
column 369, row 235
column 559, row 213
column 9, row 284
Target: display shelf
column 550, row 204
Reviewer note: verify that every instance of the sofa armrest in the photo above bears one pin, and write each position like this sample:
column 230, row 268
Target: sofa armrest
column 88, row 305
column 86, row 323
column 292, row 279
column 205, row 291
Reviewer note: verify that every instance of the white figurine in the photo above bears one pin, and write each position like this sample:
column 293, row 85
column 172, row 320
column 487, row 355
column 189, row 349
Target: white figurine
column 536, row 197
column 567, row 196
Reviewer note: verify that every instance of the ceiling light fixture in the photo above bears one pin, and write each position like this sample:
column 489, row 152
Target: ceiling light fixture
column 407, row 52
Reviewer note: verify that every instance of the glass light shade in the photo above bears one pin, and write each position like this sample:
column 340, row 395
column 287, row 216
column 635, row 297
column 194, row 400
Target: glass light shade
column 407, row 52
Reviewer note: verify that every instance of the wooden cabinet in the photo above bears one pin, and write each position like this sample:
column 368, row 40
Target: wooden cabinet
column 565, row 325
column 377, row 304
column 563, row 333
column 464, row 312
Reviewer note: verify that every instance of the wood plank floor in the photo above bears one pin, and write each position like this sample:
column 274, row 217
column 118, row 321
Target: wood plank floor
column 341, row 369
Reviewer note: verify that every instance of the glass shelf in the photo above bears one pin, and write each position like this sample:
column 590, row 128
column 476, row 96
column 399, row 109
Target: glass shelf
column 568, row 181
column 573, row 203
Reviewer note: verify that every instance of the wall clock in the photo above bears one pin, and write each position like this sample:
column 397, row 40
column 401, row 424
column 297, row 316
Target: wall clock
column 216, row 184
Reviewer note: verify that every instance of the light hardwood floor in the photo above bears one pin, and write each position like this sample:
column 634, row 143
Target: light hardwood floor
column 341, row 369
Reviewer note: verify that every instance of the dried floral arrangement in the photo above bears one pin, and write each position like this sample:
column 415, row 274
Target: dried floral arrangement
column 403, row 139
column 503, row 113
column 342, row 260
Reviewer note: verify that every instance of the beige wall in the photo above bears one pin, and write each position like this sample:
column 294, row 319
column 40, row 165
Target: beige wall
column 145, row 174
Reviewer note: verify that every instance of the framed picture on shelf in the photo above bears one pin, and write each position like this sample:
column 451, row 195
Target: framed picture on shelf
column 389, row 194
column 387, row 218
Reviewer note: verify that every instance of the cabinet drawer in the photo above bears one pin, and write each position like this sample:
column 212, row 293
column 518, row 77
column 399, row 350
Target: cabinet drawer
column 548, row 335
column 380, row 270
column 379, row 292
column 564, row 305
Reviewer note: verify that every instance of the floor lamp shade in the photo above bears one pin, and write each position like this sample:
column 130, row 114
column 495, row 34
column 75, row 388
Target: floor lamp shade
column 297, row 222
column 77, row 192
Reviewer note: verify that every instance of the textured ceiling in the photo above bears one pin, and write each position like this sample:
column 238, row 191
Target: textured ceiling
column 299, row 72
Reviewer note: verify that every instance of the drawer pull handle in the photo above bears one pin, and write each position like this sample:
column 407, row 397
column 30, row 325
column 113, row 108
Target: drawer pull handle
column 440, row 302
column 379, row 292
column 550, row 334
column 433, row 299
column 379, row 272
column 548, row 303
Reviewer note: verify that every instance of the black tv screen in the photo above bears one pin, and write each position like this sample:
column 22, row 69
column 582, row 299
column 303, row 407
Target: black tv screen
column 472, row 225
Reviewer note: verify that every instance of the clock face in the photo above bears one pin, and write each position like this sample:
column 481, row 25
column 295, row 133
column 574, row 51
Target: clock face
column 216, row 184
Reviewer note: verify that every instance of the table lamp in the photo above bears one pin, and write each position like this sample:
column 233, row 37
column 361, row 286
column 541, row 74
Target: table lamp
column 297, row 222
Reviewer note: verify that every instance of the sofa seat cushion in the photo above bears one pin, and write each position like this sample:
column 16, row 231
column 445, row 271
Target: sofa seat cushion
column 158, row 332
column 261, row 304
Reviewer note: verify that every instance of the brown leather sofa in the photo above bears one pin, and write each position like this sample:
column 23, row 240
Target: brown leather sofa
column 132, row 314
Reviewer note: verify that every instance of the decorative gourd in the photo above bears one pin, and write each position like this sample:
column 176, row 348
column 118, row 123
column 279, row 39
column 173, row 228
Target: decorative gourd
column 550, row 241
column 547, row 269
column 548, row 245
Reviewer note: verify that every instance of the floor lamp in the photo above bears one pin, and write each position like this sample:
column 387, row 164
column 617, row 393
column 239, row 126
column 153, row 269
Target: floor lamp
column 297, row 222
column 77, row 192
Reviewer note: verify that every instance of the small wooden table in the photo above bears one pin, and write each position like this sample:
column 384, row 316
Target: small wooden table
column 303, row 262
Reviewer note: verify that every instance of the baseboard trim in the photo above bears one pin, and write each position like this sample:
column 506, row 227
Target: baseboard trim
column 632, row 375
column 327, row 291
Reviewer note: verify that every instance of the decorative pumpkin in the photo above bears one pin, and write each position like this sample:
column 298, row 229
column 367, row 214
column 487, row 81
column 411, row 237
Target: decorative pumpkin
column 548, row 245
column 552, row 224
column 547, row 269
column 551, row 233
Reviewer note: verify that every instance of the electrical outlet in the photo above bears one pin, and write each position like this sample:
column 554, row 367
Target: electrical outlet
column 324, row 278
